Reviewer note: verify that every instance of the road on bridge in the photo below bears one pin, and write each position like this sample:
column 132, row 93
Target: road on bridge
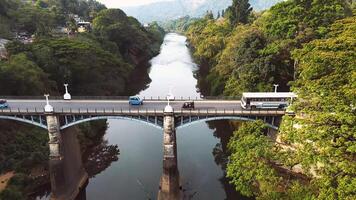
column 120, row 104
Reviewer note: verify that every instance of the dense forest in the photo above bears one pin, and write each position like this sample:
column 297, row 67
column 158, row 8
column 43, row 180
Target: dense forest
column 308, row 47
column 250, row 52
column 41, row 57
column 110, row 51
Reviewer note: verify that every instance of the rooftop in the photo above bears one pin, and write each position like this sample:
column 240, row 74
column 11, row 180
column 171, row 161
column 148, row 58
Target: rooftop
column 269, row 94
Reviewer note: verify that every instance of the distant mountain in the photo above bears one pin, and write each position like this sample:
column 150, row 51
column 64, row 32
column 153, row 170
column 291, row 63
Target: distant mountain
column 168, row 10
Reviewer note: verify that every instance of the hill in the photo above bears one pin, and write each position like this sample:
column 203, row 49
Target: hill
column 164, row 11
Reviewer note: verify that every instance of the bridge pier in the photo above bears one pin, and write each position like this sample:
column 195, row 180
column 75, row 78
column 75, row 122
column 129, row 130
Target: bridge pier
column 66, row 170
column 169, row 184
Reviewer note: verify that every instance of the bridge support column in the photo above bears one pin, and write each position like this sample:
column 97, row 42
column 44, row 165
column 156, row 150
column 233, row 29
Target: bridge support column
column 65, row 164
column 170, row 184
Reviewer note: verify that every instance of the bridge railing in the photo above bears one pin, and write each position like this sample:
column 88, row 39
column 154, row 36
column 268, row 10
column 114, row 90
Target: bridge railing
column 61, row 97
column 153, row 98
column 145, row 112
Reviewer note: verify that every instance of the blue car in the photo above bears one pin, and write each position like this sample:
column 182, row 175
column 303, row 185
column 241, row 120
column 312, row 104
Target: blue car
column 3, row 104
column 135, row 100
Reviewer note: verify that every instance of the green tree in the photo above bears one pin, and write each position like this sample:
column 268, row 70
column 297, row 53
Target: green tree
column 326, row 131
column 250, row 155
column 7, row 8
column 34, row 20
column 290, row 19
column 253, row 166
column 207, row 37
column 242, row 66
column 21, row 76
column 77, row 62
column 209, row 15
column 127, row 33
column 42, row 4
column 239, row 12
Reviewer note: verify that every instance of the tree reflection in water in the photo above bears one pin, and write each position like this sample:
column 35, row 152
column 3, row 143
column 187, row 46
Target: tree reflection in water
column 101, row 157
column 224, row 131
column 97, row 160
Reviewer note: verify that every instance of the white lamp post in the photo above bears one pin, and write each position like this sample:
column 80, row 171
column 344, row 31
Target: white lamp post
column 67, row 96
column 170, row 95
column 48, row 108
column 168, row 108
column 275, row 87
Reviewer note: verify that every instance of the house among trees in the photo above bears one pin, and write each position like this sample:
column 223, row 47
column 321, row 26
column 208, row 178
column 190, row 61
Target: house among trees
column 83, row 26
column 80, row 24
column 24, row 37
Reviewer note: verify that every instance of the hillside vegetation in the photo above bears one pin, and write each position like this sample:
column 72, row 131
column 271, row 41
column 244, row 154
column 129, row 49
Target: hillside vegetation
column 307, row 47
column 251, row 53
column 103, row 57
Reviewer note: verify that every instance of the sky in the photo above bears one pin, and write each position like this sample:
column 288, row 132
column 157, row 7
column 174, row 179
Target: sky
column 126, row 3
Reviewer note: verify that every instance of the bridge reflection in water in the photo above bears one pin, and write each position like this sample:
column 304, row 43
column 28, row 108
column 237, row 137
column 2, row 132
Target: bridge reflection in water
column 67, row 172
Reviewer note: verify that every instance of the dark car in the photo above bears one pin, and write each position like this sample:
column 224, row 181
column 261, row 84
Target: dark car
column 188, row 105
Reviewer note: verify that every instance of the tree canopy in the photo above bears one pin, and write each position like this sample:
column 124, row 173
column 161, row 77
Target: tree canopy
column 326, row 88
column 254, row 56
column 103, row 59
column 131, row 38
column 24, row 76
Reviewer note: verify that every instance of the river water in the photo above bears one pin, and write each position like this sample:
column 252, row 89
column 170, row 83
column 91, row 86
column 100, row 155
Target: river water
column 136, row 174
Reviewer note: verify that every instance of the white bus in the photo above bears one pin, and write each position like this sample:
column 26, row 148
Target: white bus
column 267, row 100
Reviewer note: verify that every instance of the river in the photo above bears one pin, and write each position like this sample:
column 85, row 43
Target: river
column 136, row 174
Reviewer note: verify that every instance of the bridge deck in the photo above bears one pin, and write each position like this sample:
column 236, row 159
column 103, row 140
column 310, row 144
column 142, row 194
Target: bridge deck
column 121, row 107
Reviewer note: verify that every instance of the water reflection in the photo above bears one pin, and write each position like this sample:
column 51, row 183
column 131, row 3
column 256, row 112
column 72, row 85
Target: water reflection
column 137, row 173
column 224, row 131
column 101, row 158
column 138, row 80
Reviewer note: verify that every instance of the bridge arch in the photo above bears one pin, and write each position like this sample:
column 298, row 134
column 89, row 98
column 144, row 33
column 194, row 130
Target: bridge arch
column 221, row 118
column 25, row 120
column 110, row 117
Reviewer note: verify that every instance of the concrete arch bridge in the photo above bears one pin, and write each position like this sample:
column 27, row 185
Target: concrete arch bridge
column 67, row 177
